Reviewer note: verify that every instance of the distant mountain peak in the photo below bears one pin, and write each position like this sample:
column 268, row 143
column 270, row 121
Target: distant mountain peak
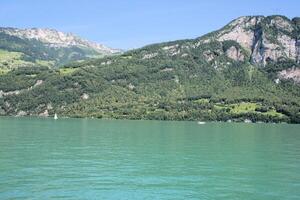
column 55, row 38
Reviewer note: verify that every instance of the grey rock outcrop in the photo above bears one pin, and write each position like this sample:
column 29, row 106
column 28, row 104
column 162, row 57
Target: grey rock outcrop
column 298, row 51
column 54, row 38
column 235, row 54
column 293, row 73
column 264, row 38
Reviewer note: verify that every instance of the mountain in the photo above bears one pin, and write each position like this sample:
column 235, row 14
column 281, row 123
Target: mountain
column 46, row 47
column 264, row 38
column 247, row 70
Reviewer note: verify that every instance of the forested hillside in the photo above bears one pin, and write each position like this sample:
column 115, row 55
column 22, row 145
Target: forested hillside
column 247, row 70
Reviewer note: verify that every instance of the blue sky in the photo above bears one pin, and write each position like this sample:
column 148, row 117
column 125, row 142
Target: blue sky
column 133, row 23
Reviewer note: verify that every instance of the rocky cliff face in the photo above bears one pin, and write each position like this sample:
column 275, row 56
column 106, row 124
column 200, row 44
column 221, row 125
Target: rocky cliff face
column 259, row 41
column 255, row 39
column 235, row 54
column 54, row 38
column 265, row 38
column 298, row 51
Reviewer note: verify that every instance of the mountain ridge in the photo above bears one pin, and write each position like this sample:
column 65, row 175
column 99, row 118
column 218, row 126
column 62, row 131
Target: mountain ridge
column 47, row 47
column 55, row 38
column 252, row 45
column 231, row 74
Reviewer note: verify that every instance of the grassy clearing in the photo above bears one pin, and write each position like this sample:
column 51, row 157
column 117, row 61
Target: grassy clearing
column 244, row 107
column 126, row 57
column 4, row 71
column 66, row 71
column 238, row 108
column 247, row 107
column 201, row 101
column 273, row 113
column 45, row 63
column 12, row 60
column 6, row 55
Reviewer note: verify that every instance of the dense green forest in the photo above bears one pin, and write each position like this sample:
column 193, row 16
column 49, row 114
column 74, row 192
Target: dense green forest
column 167, row 81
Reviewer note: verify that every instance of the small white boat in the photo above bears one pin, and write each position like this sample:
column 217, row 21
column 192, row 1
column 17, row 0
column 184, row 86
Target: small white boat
column 200, row 123
column 247, row 121
column 55, row 116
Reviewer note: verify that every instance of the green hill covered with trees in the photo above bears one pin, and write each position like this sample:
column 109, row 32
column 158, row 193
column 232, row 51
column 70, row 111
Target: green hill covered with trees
column 247, row 70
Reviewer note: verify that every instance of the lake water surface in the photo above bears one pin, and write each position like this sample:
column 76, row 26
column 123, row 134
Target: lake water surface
column 116, row 159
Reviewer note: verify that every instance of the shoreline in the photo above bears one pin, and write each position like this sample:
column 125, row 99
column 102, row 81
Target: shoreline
column 203, row 122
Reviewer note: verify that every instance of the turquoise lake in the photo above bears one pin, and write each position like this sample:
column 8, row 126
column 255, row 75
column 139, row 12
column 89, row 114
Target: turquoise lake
column 120, row 159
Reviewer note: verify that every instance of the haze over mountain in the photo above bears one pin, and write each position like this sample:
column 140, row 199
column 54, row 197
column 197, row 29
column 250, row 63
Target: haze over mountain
column 249, row 69
column 47, row 47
